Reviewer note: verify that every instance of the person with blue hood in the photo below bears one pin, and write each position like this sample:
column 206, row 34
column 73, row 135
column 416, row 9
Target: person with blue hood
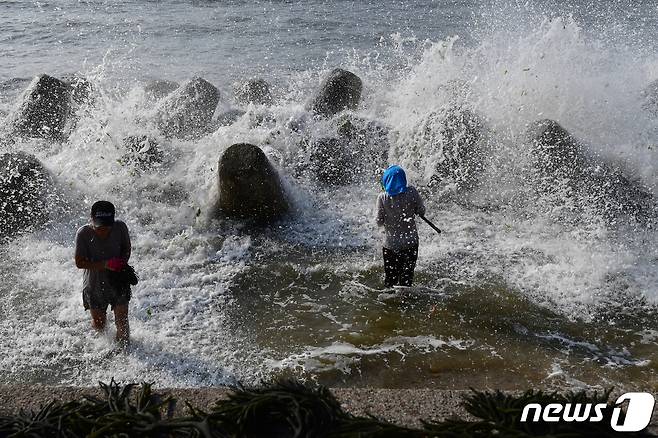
column 396, row 210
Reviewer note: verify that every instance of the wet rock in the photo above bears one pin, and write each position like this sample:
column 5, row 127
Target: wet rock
column 368, row 136
column 83, row 97
column 368, row 140
column 254, row 91
column 44, row 109
column 81, row 88
column 449, row 147
column 249, row 187
column 229, row 117
column 462, row 149
column 143, row 152
column 160, row 88
column 564, row 169
column 456, row 91
column 171, row 193
column 623, row 196
column 356, row 154
column 24, row 186
column 555, row 153
column 341, row 90
column 261, row 119
column 331, row 161
column 296, row 124
column 187, row 112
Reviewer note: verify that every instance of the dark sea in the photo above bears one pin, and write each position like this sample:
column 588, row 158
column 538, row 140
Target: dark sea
column 523, row 287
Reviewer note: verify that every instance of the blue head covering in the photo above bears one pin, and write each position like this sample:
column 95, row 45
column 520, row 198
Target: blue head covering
column 394, row 180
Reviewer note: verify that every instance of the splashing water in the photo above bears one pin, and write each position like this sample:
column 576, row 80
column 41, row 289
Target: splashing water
column 519, row 290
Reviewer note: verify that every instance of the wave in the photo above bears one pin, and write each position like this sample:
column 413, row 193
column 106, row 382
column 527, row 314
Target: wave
column 198, row 270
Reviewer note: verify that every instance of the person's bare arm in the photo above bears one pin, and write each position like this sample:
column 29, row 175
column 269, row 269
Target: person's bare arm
column 81, row 255
column 380, row 214
column 126, row 247
column 83, row 263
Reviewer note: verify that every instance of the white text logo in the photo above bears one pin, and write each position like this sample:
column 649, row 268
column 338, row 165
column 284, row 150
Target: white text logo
column 638, row 413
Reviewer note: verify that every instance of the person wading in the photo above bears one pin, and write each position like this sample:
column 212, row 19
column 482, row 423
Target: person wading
column 100, row 247
column 396, row 208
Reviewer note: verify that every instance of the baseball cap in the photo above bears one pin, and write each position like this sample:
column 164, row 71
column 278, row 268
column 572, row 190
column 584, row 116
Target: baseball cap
column 102, row 213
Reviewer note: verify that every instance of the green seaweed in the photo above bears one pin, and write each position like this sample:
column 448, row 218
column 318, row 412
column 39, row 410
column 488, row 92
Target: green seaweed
column 116, row 414
column 288, row 408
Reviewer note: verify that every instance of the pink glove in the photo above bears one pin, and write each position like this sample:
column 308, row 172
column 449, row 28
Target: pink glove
column 115, row 264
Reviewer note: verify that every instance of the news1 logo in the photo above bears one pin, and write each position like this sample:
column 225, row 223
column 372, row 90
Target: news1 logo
column 638, row 413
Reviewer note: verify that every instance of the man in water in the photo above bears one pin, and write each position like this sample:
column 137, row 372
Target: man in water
column 100, row 247
column 396, row 208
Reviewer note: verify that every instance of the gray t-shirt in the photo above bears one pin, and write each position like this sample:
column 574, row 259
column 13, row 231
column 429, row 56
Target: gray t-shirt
column 88, row 245
column 396, row 215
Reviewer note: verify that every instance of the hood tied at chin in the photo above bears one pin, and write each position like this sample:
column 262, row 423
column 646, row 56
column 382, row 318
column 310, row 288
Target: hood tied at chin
column 394, row 180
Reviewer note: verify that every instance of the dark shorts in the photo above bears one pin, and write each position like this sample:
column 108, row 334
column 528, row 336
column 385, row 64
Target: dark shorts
column 399, row 266
column 100, row 299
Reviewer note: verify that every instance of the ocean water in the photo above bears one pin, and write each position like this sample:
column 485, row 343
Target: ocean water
column 517, row 291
